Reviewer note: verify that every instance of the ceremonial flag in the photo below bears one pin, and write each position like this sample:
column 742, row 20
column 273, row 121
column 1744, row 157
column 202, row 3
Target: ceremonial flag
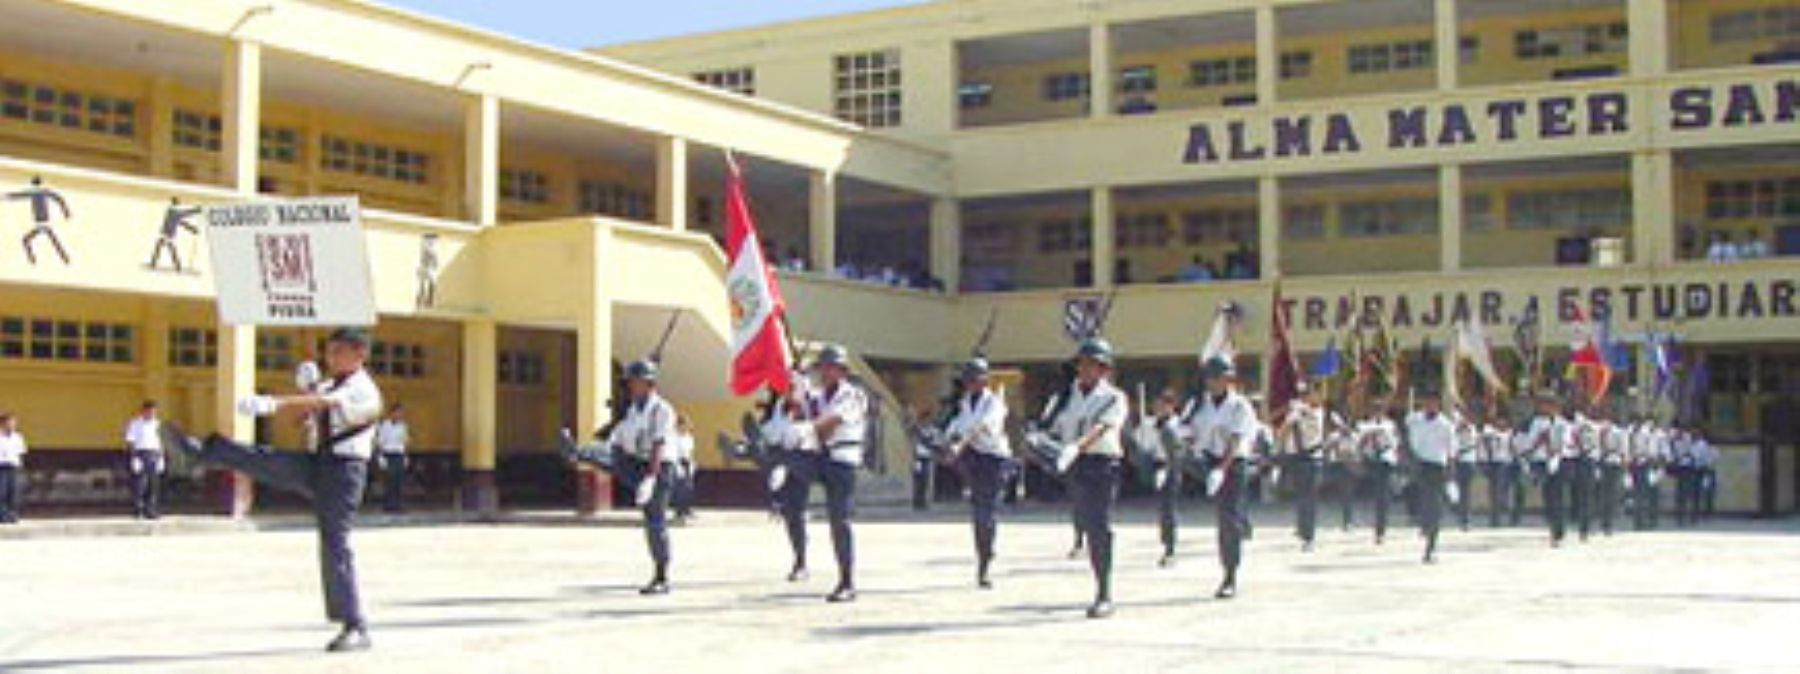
column 1664, row 356
column 1587, row 355
column 1329, row 363
column 1471, row 345
column 759, row 352
column 1284, row 368
column 1527, row 332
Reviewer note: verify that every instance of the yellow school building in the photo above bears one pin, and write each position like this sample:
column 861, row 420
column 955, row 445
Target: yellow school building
column 535, row 215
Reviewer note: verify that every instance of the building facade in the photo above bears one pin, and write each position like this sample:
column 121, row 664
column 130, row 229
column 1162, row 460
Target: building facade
column 534, row 216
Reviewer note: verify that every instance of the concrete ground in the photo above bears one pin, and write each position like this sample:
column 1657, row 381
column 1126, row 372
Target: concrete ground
column 545, row 596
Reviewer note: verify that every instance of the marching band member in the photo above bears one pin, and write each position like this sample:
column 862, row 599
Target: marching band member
column 977, row 436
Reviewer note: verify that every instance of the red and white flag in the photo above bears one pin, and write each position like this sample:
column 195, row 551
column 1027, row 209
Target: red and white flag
column 759, row 352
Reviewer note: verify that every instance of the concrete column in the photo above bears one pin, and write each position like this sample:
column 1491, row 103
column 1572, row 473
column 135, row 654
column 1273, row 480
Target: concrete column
column 1268, row 225
column 1653, row 207
column 481, row 159
column 1268, row 55
column 946, row 242
column 241, row 115
column 1105, row 253
column 1450, row 217
column 480, row 415
column 233, row 493
column 594, row 374
column 823, row 224
column 161, row 126
column 1448, row 47
column 1650, row 47
column 1100, row 69
column 156, row 358
column 672, row 182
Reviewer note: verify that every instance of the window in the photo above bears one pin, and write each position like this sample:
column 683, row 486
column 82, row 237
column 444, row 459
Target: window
column 278, row 144
column 1405, row 217
column 1387, row 57
column 1761, row 198
column 376, row 160
column 54, row 339
column 734, row 80
column 1756, row 24
column 615, row 200
column 397, row 359
column 1137, row 80
column 703, row 212
column 973, row 95
column 193, row 347
column 1218, row 226
column 275, row 352
column 196, row 130
column 1066, row 86
column 1478, row 212
column 1295, row 65
column 1224, row 71
column 868, row 88
column 521, row 368
column 1061, row 235
column 1144, row 230
column 524, row 186
column 1303, row 222
column 1569, row 209
column 989, row 240
column 1571, row 41
column 1468, row 50
column 76, row 111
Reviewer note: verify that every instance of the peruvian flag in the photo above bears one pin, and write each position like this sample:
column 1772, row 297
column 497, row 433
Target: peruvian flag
column 1588, row 355
column 758, row 336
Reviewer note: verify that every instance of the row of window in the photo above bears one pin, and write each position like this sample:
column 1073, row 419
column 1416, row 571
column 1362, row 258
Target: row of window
column 1755, row 24
column 201, row 131
column 1573, row 40
column 617, row 200
column 52, row 339
column 524, row 186
column 55, row 106
column 735, row 80
column 521, row 368
column 375, row 160
column 1759, row 198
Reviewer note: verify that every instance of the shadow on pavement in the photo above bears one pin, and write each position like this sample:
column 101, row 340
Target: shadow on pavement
column 137, row 661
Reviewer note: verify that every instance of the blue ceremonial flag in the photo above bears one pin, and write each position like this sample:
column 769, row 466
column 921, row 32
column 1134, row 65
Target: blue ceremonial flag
column 1328, row 363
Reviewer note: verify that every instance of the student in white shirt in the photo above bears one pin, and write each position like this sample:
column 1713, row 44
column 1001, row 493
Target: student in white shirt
column 836, row 417
column 1615, row 441
column 12, row 464
column 144, row 460
column 1379, row 443
column 1226, row 431
column 1089, row 423
column 345, row 406
column 391, row 439
column 978, row 443
column 1547, row 442
column 1302, row 441
column 643, row 447
column 1431, row 437
column 686, row 471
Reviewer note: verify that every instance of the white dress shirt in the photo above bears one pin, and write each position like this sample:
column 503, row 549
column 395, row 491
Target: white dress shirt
column 1305, row 428
column 648, row 423
column 141, row 435
column 1379, row 440
column 392, row 437
column 981, row 420
column 356, row 402
column 850, row 406
column 1220, row 420
column 1432, row 437
column 1103, row 405
column 12, row 449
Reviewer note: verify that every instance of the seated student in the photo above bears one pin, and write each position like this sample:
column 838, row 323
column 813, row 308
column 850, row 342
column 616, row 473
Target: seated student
column 1195, row 271
column 1753, row 246
column 1720, row 249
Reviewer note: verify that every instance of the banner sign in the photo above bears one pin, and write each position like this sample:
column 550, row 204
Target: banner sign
column 1749, row 299
column 291, row 262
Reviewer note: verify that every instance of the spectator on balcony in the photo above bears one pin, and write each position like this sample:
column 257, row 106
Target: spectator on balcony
column 793, row 260
column 1720, row 248
column 1195, row 271
column 1137, row 105
column 847, row 270
column 1753, row 246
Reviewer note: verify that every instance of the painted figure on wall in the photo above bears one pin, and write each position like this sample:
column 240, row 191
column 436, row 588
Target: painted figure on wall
column 175, row 219
column 428, row 271
column 41, row 197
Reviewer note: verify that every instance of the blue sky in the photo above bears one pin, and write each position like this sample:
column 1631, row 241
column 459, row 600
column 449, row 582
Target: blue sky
column 587, row 23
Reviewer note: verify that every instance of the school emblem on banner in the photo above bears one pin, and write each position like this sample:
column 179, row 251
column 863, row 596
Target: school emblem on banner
column 1083, row 316
column 291, row 262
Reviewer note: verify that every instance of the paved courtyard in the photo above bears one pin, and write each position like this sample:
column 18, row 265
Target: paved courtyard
column 552, row 596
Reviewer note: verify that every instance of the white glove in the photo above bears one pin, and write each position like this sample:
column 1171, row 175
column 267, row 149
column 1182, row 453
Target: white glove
column 1066, row 458
column 1162, row 478
column 1214, row 479
column 1451, row 492
column 777, row 478
column 306, row 375
column 256, row 406
column 646, row 490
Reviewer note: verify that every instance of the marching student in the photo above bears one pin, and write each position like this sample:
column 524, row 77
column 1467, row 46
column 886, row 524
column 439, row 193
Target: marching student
column 1170, row 460
column 1302, row 439
column 1706, row 463
column 1585, row 443
column 391, row 439
column 1502, row 470
column 12, row 466
column 1379, row 443
column 1432, row 439
column 790, row 433
column 1687, row 477
column 345, row 407
column 1614, row 441
column 977, row 435
column 1345, row 467
column 1644, row 461
column 144, row 461
column 1225, row 430
column 1093, row 411
column 838, row 411
column 1547, row 436
column 1468, row 454
column 644, row 459
column 685, row 490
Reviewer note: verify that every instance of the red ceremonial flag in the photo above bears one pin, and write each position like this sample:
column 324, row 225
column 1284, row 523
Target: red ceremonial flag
column 1284, row 369
column 759, row 352
column 1587, row 356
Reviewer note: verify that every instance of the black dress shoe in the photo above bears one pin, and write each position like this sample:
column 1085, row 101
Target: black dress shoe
column 173, row 437
column 1227, row 590
column 798, row 575
column 656, row 587
column 1166, row 561
column 984, row 583
column 1101, row 609
column 350, row 640
column 1075, row 552
column 842, row 595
